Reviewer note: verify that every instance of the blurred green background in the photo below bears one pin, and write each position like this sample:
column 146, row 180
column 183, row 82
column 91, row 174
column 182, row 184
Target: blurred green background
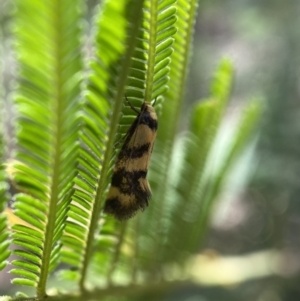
column 262, row 39
column 262, row 218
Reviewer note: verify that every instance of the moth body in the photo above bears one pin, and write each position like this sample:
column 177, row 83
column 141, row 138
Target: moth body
column 130, row 190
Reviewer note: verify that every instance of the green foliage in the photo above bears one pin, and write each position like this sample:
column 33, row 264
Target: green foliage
column 47, row 100
column 210, row 185
column 205, row 121
column 70, row 127
column 102, row 113
column 161, row 167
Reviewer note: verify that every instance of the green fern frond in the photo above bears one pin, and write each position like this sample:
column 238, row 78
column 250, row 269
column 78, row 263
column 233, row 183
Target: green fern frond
column 149, row 74
column 186, row 12
column 159, row 20
column 104, row 100
column 168, row 127
column 209, row 189
column 207, row 117
column 205, row 121
column 47, row 100
column 197, row 190
column 147, row 79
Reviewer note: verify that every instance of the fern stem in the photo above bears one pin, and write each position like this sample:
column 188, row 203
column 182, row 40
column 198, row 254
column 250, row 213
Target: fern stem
column 57, row 143
column 111, row 138
column 152, row 48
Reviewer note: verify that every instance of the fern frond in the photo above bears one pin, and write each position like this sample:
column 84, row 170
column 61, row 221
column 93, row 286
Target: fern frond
column 149, row 71
column 104, row 100
column 47, row 100
column 209, row 189
column 168, row 127
column 179, row 66
column 148, row 77
column 192, row 217
column 205, row 121
column 159, row 28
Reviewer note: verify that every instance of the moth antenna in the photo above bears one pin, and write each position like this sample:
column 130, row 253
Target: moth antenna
column 131, row 106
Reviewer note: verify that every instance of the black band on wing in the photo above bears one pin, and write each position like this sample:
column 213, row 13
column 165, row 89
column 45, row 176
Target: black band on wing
column 128, row 182
column 147, row 119
column 134, row 152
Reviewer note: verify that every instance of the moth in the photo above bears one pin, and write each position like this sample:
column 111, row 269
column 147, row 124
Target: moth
column 130, row 190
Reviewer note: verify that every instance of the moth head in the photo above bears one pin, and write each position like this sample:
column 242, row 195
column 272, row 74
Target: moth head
column 147, row 107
